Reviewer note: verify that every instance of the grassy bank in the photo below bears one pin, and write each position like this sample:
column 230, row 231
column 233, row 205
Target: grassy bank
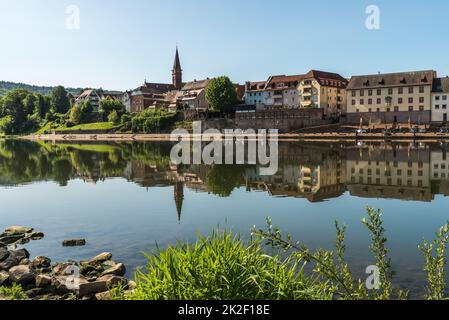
column 222, row 267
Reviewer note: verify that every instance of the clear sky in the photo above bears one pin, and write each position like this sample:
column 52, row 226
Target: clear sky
column 120, row 43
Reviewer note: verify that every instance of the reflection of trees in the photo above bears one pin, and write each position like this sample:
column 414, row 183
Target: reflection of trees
column 25, row 161
column 223, row 179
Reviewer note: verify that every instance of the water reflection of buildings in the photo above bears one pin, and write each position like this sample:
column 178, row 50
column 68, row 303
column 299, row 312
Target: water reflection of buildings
column 315, row 172
column 390, row 172
column 320, row 175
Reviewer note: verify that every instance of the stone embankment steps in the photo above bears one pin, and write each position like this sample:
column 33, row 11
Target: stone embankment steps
column 42, row 280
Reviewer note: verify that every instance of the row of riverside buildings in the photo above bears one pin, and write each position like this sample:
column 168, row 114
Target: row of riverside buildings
column 419, row 97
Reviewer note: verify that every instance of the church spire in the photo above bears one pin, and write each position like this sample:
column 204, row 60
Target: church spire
column 179, row 198
column 177, row 72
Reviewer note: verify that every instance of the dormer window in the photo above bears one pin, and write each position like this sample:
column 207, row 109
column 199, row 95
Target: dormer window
column 366, row 83
column 403, row 81
column 382, row 82
column 424, row 80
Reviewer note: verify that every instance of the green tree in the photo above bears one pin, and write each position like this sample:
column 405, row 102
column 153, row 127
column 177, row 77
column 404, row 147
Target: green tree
column 113, row 117
column 60, row 101
column 221, row 94
column 7, row 125
column 108, row 105
column 28, row 103
column 41, row 106
column 13, row 105
column 80, row 112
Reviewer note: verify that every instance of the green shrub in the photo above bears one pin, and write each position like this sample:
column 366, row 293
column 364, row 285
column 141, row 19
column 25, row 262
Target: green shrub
column 7, row 125
column 13, row 293
column 222, row 267
column 113, row 117
column 152, row 121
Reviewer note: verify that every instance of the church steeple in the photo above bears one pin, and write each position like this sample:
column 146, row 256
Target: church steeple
column 177, row 72
column 179, row 198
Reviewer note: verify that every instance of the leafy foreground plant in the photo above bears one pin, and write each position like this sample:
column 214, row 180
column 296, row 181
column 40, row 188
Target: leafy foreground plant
column 435, row 264
column 222, row 266
column 12, row 293
column 331, row 268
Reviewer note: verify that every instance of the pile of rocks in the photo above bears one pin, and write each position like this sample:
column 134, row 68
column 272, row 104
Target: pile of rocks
column 40, row 279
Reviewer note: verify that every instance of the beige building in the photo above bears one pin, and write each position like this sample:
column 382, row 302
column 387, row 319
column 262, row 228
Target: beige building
column 389, row 173
column 390, row 98
column 440, row 100
column 323, row 90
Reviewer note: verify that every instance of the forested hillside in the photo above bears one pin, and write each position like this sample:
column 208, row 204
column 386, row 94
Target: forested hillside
column 6, row 86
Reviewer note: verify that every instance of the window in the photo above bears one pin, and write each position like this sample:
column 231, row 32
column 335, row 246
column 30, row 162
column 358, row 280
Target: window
column 444, row 98
column 410, row 100
column 362, row 101
column 400, row 90
column 437, row 98
column 353, row 93
column 362, row 93
column 421, row 89
column 353, row 102
column 388, row 109
column 437, row 107
column 378, row 109
column 410, row 90
column 410, row 108
column 370, row 101
column 370, row 110
column 370, row 92
column 400, row 100
column 396, row 109
column 444, row 106
column 421, row 99
column 421, row 108
column 379, row 101
column 390, row 91
column 379, row 92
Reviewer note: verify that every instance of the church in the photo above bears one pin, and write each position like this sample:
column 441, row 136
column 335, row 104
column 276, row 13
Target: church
column 150, row 93
column 175, row 95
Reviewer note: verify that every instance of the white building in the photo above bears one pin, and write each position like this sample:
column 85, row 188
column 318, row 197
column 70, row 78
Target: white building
column 440, row 100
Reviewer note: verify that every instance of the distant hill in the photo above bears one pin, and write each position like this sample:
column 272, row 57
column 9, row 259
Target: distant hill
column 6, row 86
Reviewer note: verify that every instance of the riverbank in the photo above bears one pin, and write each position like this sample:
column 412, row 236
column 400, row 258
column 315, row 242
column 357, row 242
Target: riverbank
column 325, row 137
column 39, row 279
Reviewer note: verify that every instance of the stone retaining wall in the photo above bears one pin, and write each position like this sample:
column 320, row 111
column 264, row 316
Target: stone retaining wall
column 284, row 120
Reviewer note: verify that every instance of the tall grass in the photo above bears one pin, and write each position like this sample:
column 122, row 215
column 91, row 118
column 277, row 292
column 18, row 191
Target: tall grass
column 12, row 293
column 222, row 267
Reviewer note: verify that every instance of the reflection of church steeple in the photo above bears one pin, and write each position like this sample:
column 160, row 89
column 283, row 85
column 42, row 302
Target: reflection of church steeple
column 179, row 197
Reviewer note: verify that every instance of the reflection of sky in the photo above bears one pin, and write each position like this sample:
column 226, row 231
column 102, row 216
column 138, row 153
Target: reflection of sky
column 127, row 220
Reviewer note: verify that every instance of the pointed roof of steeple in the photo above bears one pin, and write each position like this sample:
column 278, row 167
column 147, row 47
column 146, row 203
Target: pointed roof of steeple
column 179, row 198
column 177, row 64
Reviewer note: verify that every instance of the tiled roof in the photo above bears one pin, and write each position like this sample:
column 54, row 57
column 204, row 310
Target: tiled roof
column 441, row 85
column 392, row 79
column 328, row 79
column 196, row 85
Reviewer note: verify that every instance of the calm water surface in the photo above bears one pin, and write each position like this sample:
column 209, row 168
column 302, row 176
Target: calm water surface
column 126, row 197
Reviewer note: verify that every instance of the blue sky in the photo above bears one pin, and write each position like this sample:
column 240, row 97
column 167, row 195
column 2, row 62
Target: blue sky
column 120, row 43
